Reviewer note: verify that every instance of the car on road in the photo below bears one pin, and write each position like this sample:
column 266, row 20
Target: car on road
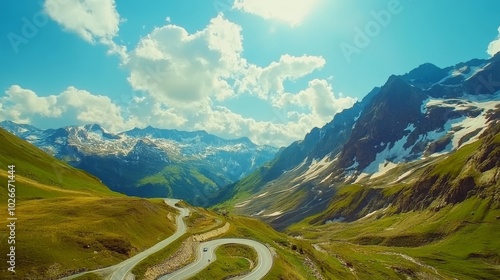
column 205, row 249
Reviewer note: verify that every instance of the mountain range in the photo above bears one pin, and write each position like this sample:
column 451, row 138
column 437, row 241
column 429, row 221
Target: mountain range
column 150, row 162
column 403, row 185
column 67, row 222
column 406, row 124
column 412, row 119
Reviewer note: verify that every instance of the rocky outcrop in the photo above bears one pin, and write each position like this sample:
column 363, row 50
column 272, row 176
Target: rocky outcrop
column 184, row 255
column 211, row 234
column 179, row 259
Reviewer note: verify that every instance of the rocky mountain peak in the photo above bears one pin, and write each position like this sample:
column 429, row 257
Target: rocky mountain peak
column 150, row 161
column 411, row 119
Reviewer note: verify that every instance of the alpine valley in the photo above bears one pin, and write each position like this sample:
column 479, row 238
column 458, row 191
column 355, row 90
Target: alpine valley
column 250, row 139
column 411, row 171
column 194, row 166
column 393, row 137
column 402, row 185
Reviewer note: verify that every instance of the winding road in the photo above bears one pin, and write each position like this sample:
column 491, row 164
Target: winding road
column 265, row 261
column 126, row 266
column 122, row 270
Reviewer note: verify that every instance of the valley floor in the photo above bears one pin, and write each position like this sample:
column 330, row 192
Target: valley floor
column 458, row 242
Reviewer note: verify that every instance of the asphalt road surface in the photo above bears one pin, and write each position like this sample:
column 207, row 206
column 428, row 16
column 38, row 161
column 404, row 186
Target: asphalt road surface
column 122, row 270
column 126, row 266
column 265, row 260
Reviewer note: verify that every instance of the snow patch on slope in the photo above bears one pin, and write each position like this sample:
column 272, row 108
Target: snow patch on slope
column 262, row 195
column 277, row 213
column 383, row 169
column 326, row 178
column 395, row 152
column 315, row 168
column 467, row 126
column 462, row 131
column 466, row 72
column 402, row 176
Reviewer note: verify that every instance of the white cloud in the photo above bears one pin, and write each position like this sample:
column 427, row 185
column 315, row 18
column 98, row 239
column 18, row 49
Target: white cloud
column 221, row 121
column 494, row 46
column 181, row 76
column 114, row 48
column 177, row 67
column 319, row 99
column 268, row 81
column 75, row 106
column 292, row 12
column 24, row 100
column 183, row 73
column 92, row 20
column 89, row 108
column 72, row 106
column 146, row 111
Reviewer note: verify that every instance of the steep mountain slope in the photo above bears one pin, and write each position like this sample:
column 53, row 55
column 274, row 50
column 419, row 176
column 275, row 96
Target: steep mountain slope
column 67, row 219
column 317, row 144
column 151, row 162
column 412, row 119
column 69, row 222
column 36, row 171
column 471, row 171
column 442, row 217
column 293, row 259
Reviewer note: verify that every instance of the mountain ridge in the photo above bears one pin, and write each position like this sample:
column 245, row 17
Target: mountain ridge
column 411, row 119
column 151, row 162
column 83, row 226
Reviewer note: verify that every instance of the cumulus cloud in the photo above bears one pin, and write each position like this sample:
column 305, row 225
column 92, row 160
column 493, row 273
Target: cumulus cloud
column 92, row 20
column 146, row 111
column 177, row 67
column 73, row 106
column 76, row 106
column 318, row 102
column 184, row 80
column 182, row 74
column 24, row 100
column 221, row 121
column 319, row 98
column 494, row 46
column 292, row 12
column 268, row 81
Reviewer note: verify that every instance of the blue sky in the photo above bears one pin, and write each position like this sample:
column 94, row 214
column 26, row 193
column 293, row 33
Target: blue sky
column 270, row 70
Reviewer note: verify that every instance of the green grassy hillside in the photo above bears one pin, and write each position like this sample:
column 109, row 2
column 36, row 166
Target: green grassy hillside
column 232, row 260
column 202, row 187
column 67, row 220
column 440, row 222
column 293, row 258
column 39, row 175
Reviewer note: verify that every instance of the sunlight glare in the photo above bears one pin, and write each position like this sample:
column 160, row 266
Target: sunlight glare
column 292, row 12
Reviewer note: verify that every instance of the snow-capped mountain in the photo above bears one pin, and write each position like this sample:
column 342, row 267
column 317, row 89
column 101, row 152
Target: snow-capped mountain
column 195, row 166
column 411, row 119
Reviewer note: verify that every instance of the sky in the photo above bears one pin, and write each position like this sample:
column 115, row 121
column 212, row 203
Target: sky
column 270, row 70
